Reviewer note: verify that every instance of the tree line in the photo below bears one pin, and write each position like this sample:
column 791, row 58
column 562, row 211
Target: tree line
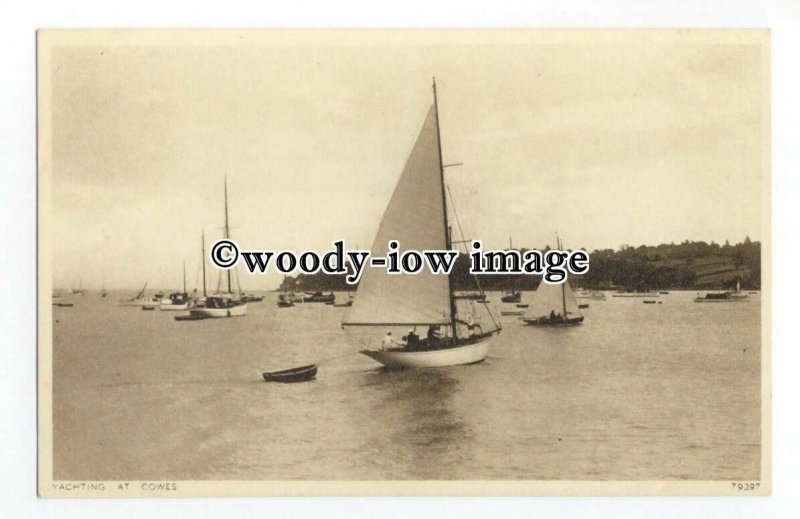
column 687, row 265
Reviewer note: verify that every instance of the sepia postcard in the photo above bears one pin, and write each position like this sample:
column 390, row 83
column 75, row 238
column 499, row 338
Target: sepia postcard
column 404, row 262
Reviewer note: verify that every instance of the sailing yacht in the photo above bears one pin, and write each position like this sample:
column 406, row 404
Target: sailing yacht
column 723, row 297
column 140, row 299
column 177, row 300
column 225, row 304
column 417, row 217
column 553, row 305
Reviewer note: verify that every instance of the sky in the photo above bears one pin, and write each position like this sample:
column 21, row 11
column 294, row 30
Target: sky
column 632, row 139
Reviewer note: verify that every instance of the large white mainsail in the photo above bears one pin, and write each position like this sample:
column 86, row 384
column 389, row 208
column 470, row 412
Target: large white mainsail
column 414, row 217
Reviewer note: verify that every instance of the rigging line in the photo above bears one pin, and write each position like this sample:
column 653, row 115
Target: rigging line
column 460, row 230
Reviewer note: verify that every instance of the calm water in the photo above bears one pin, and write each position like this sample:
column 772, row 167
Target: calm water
column 669, row 391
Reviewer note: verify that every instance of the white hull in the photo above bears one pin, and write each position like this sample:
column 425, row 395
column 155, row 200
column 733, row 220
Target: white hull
column 234, row 311
column 467, row 354
column 140, row 302
column 171, row 307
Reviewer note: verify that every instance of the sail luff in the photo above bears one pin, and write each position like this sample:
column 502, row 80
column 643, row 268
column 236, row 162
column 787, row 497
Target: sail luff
column 413, row 217
column 141, row 292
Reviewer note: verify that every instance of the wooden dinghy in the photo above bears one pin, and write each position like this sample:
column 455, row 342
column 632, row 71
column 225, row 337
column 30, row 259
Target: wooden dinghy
column 301, row 374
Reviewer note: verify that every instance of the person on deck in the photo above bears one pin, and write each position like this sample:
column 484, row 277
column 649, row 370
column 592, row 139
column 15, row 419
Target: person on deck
column 389, row 341
column 433, row 337
column 412, row 339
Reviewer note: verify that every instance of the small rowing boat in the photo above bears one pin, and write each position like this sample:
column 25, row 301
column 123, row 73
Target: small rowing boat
column 301, row 374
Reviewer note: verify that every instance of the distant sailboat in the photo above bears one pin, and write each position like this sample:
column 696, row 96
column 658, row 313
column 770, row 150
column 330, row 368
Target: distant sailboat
column 511, row 296
column 223, row 304
column 553, row 305
column 77, row 290
column 177, row 300
column 723, row 297
column 103, row 292
column 140, row 300
column 284, row 301
column 417, row 217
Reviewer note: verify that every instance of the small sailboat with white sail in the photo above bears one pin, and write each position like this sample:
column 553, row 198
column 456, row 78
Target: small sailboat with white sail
column 222, row 304
column 553, row 305
column 417, row 217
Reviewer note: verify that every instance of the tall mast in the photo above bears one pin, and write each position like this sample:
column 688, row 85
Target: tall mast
column 203, row 256
column 184, row 276
column 227, row 229
column 448, row 241
column 563, row 288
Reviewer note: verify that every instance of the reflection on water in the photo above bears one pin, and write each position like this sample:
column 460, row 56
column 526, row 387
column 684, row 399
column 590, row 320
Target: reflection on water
column 668, row 391
column 426, row 430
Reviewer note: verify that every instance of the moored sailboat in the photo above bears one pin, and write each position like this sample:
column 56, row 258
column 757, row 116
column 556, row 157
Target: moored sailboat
column 222, row 304
column 417, row 217
column 177, row 300
column 723, row 297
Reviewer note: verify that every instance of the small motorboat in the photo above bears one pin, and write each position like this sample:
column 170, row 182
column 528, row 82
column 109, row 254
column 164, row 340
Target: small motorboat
column 63, row 305
column 583, row 305
column 511, row 297
column 148, row 307
column 511, row 312
column 301, row 374
column 664, row 292
column 522, row 305
column 649, row 302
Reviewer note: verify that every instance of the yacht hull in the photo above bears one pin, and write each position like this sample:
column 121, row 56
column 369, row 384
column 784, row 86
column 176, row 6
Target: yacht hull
column 233, row 311
column 458, row 355
column 171, row 307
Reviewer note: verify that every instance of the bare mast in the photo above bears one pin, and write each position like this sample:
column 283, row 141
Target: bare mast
column 203, row 256
column 563, row 288
column 227, row 229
